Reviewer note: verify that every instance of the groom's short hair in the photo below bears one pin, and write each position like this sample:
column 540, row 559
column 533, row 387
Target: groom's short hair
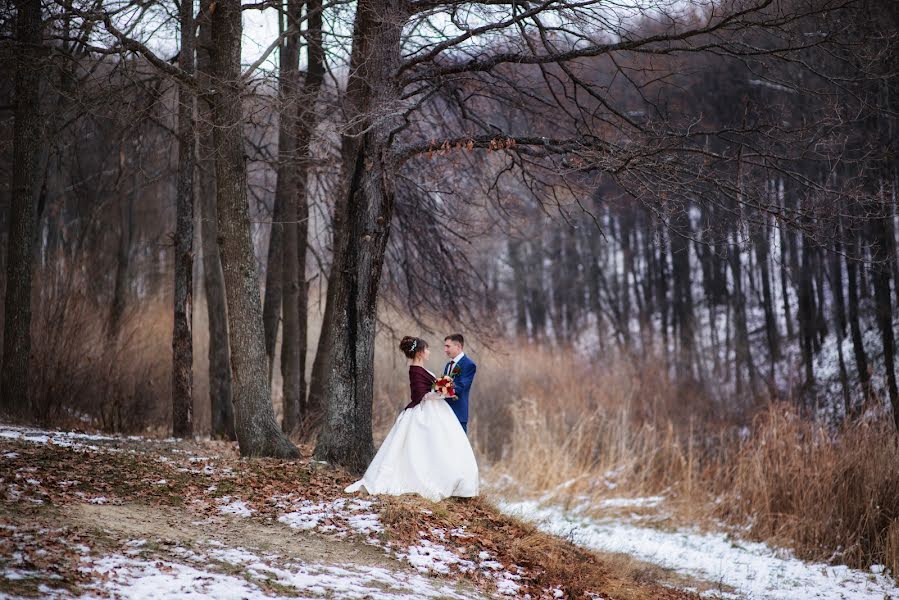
column 455, row 337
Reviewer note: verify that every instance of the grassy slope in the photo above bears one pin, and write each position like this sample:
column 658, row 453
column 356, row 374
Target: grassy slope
column 160, row 486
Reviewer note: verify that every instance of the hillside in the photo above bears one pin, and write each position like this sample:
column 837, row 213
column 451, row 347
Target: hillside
column 100, row 516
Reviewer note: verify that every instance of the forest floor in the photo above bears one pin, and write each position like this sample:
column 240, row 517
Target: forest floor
column 92, row 516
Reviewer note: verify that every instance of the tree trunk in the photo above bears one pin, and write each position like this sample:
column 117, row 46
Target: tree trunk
column 286, row 199
column 743, row 351
column 855, row 330
column 683, row 296
column 346, row 436
column 806, row 316
column 222, row 410
column 772, row 335
column 14, row 397
column 839, row 313
column 257, row 431
column 882, row 267
column 123, row 264
column 182, row 336
column 518, row 282
column 310, row 413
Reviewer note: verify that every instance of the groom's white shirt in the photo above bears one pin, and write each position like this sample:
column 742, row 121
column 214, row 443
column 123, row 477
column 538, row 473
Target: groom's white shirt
column 456, row 360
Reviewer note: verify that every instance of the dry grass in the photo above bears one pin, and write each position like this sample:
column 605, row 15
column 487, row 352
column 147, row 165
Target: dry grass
column 543, row 416
column 832, row 495
column 554, row 562
column 82, row 377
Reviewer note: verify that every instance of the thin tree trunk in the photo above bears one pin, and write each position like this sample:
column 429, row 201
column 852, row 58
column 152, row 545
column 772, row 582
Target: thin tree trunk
column 182, row 336
column 855, row 331
column 123, row 266
column 743, row 351
column 222, row 410
column 14, row 397
column 521, row 317
column 346, row 436
column 257, row 431
column 683, row 296
column 839, row 313
column 310, row 413
column 882, row 267
column 772, row 334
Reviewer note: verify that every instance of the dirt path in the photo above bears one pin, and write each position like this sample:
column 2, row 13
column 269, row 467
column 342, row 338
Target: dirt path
column 169, row 525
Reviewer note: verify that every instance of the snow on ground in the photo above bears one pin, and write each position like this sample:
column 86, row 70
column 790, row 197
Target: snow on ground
column 196, row 577
column 234, row 507
column 754, row 570
column 59, row 438
column 340, row 516
column 355, row 515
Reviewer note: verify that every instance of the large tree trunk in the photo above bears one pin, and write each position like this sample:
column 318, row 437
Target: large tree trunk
column 222, row 411
column 14, row 398
column 346, row 436
column 257, row 431
column 286, row 197
column 182, row 336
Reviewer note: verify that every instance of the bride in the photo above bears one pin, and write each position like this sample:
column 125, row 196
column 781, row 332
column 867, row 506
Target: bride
column 426, row 451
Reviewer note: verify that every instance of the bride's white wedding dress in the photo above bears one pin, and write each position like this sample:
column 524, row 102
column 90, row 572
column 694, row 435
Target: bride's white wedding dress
column 426, row 453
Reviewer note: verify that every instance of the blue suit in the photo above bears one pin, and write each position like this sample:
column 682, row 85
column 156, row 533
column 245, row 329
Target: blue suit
column 462, row 380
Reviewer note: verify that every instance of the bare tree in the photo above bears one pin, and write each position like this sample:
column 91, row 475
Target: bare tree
column 254, row 420
column 182, row 334
column 20, row 254
column 213, row 278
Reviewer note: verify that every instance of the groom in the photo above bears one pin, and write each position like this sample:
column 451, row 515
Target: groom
column 462, row 370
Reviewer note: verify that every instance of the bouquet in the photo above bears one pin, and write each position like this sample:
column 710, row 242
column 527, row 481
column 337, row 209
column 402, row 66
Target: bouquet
column 445, row 387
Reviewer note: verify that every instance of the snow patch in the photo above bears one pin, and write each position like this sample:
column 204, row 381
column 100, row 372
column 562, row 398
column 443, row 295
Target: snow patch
column 234, row 507
column 753, row 569
column 339, row 516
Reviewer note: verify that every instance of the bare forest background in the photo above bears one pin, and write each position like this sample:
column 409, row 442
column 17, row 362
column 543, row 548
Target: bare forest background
column 668, row 232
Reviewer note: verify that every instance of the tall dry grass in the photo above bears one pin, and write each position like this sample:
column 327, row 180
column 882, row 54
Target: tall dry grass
column 84, row 378
column 544, row 416
column 626, row 429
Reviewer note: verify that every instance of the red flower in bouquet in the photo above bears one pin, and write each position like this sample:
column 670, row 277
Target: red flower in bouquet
column 445, row 387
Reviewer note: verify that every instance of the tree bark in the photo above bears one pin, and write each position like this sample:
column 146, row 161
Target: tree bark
column 839, row 314
column 286, row 199
column 257, row 431
column 882, row 266
column 855, row 330
column 182, row 336
column 772, row 335
column 518, row 283
column 310, row 414
column 683, row 296
column 14, row 397
column 346, row 436
column 222, row 411
column 274, row 282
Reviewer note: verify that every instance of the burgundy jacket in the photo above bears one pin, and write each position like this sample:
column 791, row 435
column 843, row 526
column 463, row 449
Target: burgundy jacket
column 420, row 381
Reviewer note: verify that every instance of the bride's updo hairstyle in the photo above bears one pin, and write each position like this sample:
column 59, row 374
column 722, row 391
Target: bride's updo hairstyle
column 410, row 346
